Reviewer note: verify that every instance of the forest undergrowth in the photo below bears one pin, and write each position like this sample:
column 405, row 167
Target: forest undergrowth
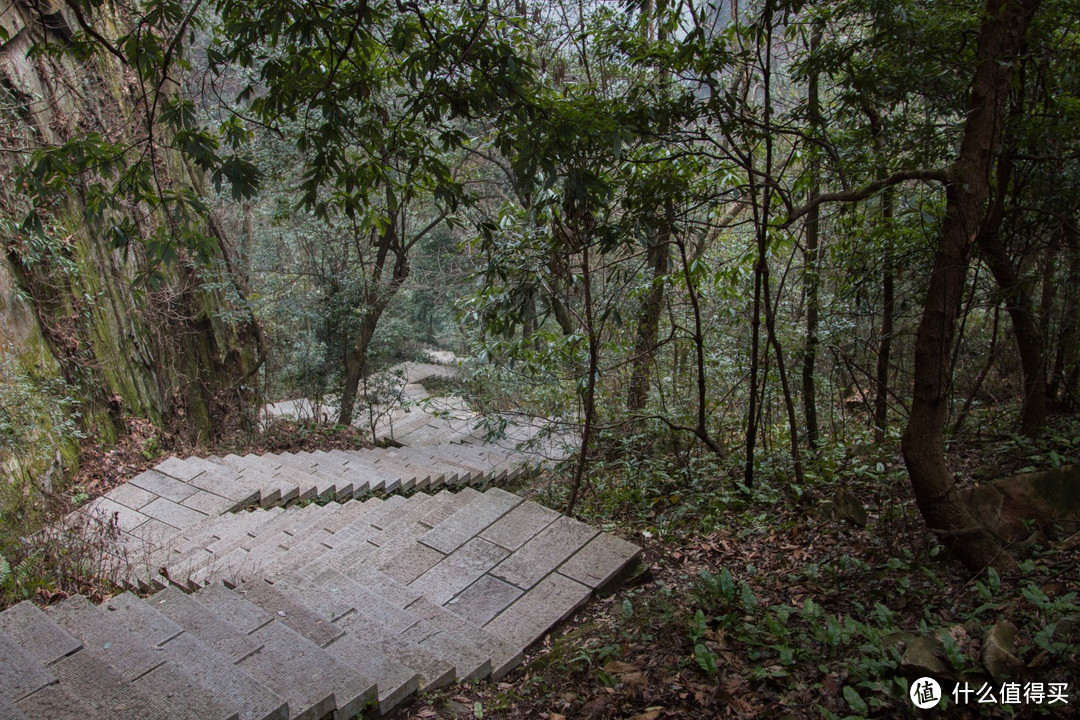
column 785, row 602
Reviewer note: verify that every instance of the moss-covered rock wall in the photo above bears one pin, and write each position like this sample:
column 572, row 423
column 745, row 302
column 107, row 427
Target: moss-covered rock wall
column 74, row 303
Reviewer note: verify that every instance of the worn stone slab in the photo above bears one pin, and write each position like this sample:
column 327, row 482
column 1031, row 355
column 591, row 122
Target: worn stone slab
column 459, row 528
column 37, row 633
column 162, row 485
column 484, row 599
column 493, row 647
column 54, row 702
column 518, row 526
column 131, row 496
column 103, row 689
column 173, row 513
column 309, row 623
column 252, row 699
column 434, row 672
column 337, row 596
column 111, row 513
column 382, row 585
column 20, row 674
column 458, row 570
column 105, row 637
column 209, row 503
column 438, row 635
column 395, row 680
column 528, row 565
column 446, row 503
column 312, row 681
column 193, row 617
column 217, row 480
column 554, row 599
column 232, row 608
column 148, row 537
column 9, row 711
column 170, row 688
column 600, row 561
column 410, row 563
column 141, row 619
column 182, row 470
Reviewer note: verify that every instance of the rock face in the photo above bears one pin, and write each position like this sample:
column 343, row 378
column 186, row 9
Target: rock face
column 1007, row 505
column 70, row 302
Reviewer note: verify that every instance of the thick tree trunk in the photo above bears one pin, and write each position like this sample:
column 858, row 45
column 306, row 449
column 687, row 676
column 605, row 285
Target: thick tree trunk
column 999, row 41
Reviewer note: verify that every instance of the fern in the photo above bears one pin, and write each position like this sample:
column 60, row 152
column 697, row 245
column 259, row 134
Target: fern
column 5, row 572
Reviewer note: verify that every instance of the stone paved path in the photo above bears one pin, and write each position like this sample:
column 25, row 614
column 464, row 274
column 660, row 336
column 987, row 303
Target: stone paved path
column 306, row 585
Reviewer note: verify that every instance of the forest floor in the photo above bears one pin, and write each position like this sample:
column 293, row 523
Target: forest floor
column 756, row 604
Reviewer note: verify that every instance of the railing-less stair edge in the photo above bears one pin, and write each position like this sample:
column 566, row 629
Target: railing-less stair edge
column 304, row 585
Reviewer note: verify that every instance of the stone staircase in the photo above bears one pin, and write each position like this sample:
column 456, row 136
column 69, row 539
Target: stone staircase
column 305, row 585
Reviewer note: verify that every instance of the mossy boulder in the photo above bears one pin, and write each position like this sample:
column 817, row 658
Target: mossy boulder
column 1008, row 507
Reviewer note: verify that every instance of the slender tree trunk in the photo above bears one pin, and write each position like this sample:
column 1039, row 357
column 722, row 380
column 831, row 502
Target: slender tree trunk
column 652, row 307
column 888, row 290
column 812, row 274
column 1067, row 359
column 590, row 385
column 1030, row 337
column 999, row 40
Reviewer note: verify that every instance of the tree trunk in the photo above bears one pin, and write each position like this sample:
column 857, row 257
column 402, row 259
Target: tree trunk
column 1030, row 337
column 1067, row 359
column 649, row 317
column 999, row 40
column 812, row 274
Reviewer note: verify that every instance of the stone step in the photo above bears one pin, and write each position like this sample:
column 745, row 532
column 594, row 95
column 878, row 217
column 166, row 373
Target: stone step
column 37, row 633
column 253, row 554
column 147, row 576
column 208, row 650
column 153, row 674
column 273, row 490
column 20, row 673
column 463, row 525
column 327, row 486
column 106, row 692
column 244, row 556
column 379, row 479
column 190, row 570
column 313, row 680
column 339, row 597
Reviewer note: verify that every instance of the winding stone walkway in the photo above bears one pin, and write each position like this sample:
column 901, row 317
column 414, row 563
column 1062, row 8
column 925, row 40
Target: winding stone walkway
column 408, row 570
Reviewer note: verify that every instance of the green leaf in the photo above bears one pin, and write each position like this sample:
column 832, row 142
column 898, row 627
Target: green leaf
column 856, row 703
column 705, row 659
